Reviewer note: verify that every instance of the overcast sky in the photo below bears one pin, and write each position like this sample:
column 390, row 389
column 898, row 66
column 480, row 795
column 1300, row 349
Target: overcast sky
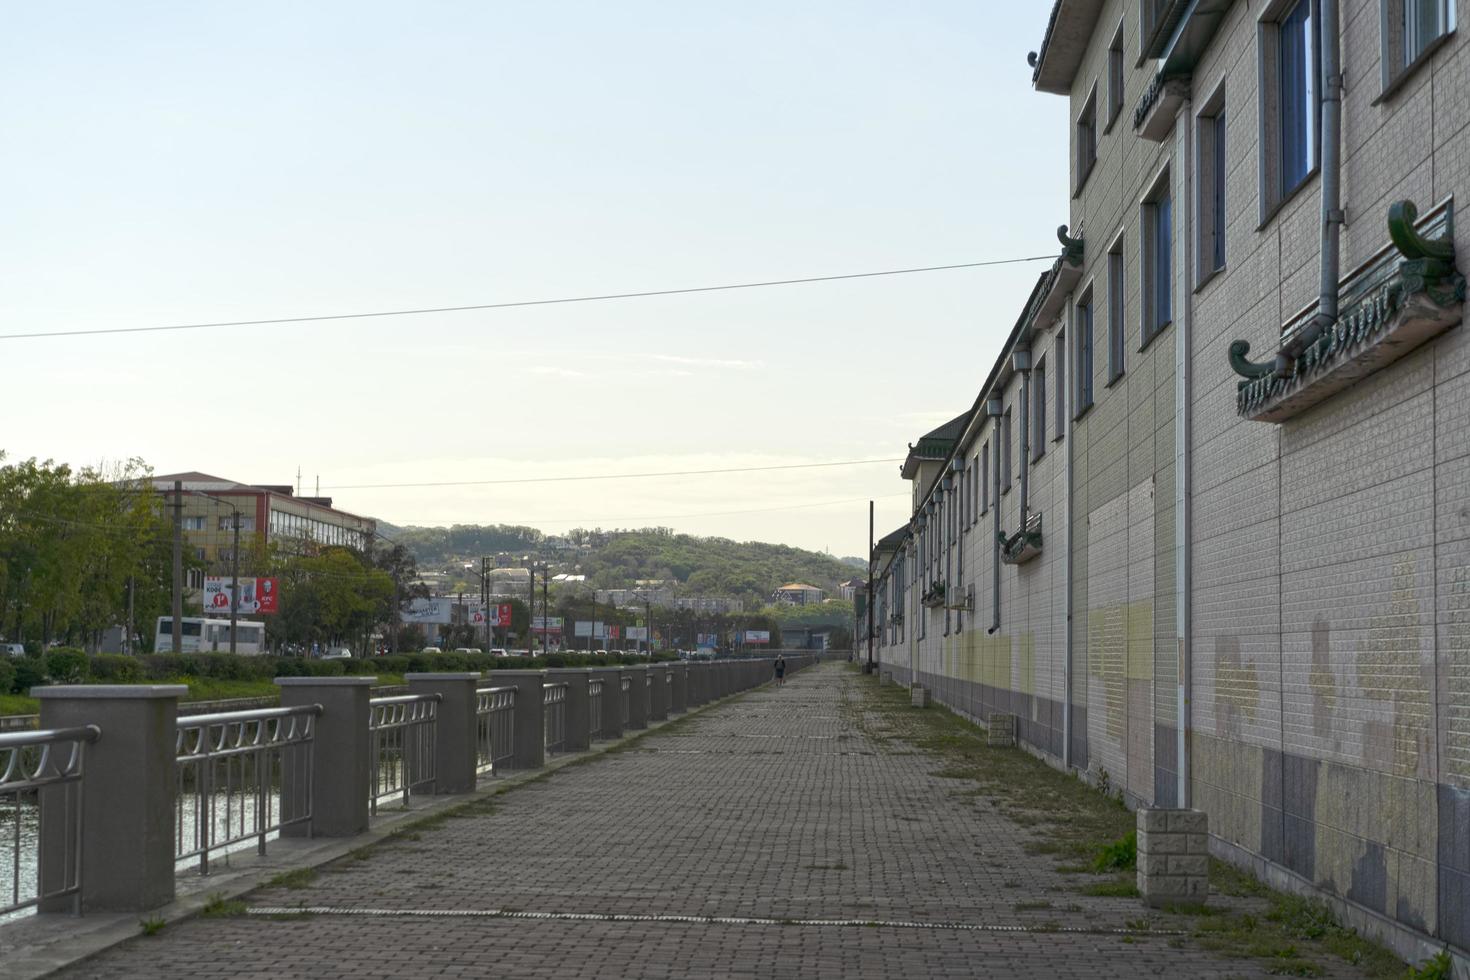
column 186, row 162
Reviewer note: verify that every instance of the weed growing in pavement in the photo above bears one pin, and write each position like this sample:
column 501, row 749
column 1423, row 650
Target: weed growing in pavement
column 152, row 925
column 1437, row 967
column 294, row 879
column 219, row 907
column 1090, row 832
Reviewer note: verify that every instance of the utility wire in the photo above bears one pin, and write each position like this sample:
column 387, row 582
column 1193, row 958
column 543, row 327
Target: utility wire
column 609, row 476
column 519, row 303
column 668, row 517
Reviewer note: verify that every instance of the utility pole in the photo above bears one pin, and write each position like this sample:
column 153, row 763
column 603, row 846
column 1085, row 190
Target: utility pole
column 235, row 581
column 870, row 587
column 531, row 612
column 648, row 625
column 178, row 599
column 128, row 641
column 485, row 598
column 545, row 605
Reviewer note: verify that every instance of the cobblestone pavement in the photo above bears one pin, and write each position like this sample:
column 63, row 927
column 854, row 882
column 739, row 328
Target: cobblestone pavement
column 774, row 807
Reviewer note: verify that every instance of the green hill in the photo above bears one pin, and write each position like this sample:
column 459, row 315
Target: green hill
column 749, row 570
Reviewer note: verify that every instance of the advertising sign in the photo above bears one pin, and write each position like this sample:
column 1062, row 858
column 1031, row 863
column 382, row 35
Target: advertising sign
column 258, row 596
column 547, row 624
column 757, row 636
column 615, row 632
column 582, row 627
column 428, row 611
column 708, row 641
column 499, row 615
column 637, row 632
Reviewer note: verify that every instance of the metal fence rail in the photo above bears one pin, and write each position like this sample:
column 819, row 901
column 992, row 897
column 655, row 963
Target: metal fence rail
column 555, row 700
column 627, row 697
column 41, row 769
column 231, row 772
column 495, row 729
column 594, row 707
column 401, row 745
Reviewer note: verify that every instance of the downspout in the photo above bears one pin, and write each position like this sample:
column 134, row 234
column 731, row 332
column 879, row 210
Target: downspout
column 1021, row 362
column 1183, row 477
column 946, row 499
column 1332, row 213
column 1068, row 437
column 993, row 408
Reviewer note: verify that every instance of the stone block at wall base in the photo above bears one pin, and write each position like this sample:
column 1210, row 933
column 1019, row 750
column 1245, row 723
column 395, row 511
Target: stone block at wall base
column 1001, row 732
column 1173, row 856
column 919, row 696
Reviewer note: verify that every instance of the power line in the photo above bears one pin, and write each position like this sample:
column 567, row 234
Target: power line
column 609, row 476
column 595, row 298
column 674, row 517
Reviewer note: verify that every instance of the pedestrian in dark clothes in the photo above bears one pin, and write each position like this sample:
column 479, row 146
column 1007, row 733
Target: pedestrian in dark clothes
column 781, row 671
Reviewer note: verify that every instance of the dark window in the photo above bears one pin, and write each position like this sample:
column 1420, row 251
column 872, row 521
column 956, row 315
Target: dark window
column 1038, row 411
column 1059, row 357
column 1158, row 263
column 977, row 484
column 1297, row 80
column 985, row 478
column 1117, row 330
column 1424, row 21
column 1083, row 368
column 1086, row 140
column 1115, row 76
column 1005, row 451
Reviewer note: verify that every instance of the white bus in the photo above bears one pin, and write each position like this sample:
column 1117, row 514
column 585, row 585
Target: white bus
column 209, row 636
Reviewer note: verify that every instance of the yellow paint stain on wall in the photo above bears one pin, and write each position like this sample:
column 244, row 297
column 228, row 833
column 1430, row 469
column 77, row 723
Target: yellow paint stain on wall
column 1026, row 662
column 1390, row 668
column 1120, row 648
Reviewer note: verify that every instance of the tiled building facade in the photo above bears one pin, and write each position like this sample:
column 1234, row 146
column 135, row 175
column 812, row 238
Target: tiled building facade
column 1242, row 583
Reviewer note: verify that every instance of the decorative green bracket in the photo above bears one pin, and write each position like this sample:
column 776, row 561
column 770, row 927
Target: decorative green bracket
column 1244, row 367
column 1071, row 247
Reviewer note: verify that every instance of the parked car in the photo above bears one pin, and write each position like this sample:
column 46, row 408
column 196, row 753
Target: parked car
column 431, row 650
column 337, row 653
column 499, row 652
column 13, row 649
column 468, row 650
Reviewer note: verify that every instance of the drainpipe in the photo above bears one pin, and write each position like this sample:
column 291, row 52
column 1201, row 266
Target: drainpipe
column 994, row 407
column 946, row 528
column 1183, row 475
column 1021, row 362
column 1068, row 438
column 1332, row 213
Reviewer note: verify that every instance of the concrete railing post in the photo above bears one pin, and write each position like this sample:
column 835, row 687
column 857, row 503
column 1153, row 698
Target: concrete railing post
column 695, row 683
column 456, row 729
column 341, row 764
column 530, row 715
column 578, row 735
column 679, row 689
column 127, row 798
column 612, row 701
column 637, row 696
column 658, row 692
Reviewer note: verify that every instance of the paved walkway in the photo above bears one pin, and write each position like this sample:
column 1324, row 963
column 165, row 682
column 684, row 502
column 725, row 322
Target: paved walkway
column 772, row 814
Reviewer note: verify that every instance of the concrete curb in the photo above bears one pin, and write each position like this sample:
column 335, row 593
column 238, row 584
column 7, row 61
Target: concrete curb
column 37, row 946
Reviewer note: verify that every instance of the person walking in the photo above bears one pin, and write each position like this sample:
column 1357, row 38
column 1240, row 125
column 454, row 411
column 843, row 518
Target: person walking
column 780, row 666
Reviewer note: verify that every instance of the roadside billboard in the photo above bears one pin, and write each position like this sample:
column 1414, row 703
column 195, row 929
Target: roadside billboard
column 258, row 596
column 708, row 641
column 637, row 632
column 429, row 611
column 498, row 615
column 756, row 637
column 582, row 627
column 547, row 625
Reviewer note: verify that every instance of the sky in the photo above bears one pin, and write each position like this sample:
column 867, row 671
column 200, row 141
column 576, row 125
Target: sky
column 172, row 162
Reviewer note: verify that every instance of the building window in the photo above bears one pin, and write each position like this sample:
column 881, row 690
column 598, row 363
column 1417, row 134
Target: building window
column 1086, row 141
column 1082, row 366
column 195, row 577
column 1210, row 181
column 977, row 487
column 1117, row 330
column 1150, row 23
column 1411, row 30
column 1290, row 102
column 199, row 554
column 985, row 478
column 1059, row 358
column 193, row 523
column 227, row 523
column 1005, row 451
column 1115, row 77
column 1158, row 256
column 1038, row 410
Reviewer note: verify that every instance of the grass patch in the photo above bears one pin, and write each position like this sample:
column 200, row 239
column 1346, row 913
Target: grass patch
column 219, row 907
column 1437, row 967
column 1116, row 888
column 152, row 925
column 295, row 879
column 1031, row 906
column 1120, row 855
column 19, row 704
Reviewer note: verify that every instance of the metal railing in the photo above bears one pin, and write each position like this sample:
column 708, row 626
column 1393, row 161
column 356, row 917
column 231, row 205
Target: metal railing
column 555, row 702
column 241, row 775
column 401, row 745
column 42, row 769
column 594, row 707
column 495, row 729
column 627, row 698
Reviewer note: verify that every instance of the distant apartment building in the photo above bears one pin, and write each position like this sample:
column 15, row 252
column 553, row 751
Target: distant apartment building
column 849, row 589
column 709, row 605
column 1204, row 530
column 796, row 594
column 270, row 514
